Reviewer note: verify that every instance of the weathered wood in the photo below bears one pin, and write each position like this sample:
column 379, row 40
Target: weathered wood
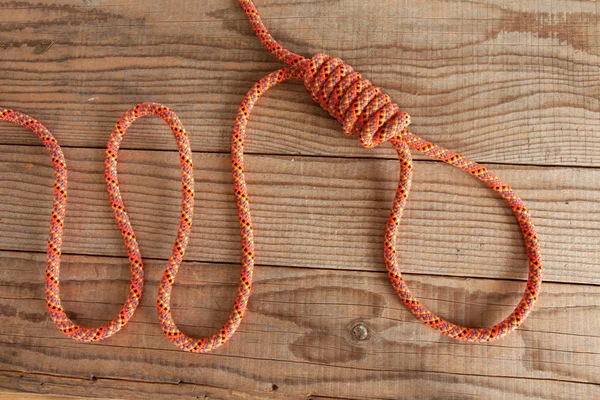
column 300, row 334
column 506, row 82
column 502, row 82
column 312, row 212
column 28, row 386
column 21, row 395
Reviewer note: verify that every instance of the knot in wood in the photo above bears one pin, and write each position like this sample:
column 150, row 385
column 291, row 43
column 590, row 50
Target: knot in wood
column 360, row 331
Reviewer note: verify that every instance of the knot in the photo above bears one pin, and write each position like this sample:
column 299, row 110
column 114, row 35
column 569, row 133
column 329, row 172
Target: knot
column 362, row 108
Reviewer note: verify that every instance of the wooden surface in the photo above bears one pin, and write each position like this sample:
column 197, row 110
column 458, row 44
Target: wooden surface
column 512, row 84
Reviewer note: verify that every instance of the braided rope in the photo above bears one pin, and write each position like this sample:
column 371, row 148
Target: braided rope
column 53, row 302
column 365, row 111
column 206, row 344
column 362, row 109
column 57, row 313
column 163, row 304
column 187, row 197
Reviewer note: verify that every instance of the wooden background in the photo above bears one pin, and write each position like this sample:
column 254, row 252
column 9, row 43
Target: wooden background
column 512, row 84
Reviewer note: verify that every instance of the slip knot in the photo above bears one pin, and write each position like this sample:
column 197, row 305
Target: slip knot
column 362, row 108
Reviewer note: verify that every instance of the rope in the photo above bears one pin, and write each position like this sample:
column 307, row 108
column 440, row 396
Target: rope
column 362, row 109
column 365, row 111
column 57, row 222
column 53, row 302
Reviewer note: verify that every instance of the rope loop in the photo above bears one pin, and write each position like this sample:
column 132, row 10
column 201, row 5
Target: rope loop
column 55, row 238
column 362, row 109
column 365, row 111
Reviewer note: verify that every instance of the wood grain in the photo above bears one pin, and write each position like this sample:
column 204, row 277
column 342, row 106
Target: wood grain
column 44, row 387
column 312, row 212
column 298, row 334
column 504, row 82
column 10, row 395
column 515, row 85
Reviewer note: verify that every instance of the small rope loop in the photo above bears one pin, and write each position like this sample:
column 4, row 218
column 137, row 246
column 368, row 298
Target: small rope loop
column 362, row 108
column 55, row 239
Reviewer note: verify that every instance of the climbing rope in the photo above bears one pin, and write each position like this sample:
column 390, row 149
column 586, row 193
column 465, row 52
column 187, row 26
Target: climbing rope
column 362, row 109
column 365, row 111
column 53, row 303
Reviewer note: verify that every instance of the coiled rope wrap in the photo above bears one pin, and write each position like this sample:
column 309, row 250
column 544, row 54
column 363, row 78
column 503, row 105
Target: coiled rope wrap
column 363, row 110
column 360, row 107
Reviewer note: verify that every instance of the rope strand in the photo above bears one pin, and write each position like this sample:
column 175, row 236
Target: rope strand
column 53, row 302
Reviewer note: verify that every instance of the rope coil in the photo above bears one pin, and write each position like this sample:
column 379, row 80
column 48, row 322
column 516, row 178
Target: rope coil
column 53, row 302
column 360, row 107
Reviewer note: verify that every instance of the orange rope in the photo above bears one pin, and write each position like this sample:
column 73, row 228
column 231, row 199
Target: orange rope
column 364, row 110
column 53, row 303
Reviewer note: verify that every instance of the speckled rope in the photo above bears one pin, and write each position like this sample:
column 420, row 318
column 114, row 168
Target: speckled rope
column 365, row 111
column 57, row 313
column 180, row 339
column 114, row 194
column 53, row 302
column 361, row 108
column 186, row 216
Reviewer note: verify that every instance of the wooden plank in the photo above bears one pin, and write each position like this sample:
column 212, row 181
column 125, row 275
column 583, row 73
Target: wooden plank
column 28, row 386
column 298, row 335
column 11, row 395
column 505, row 82
column 312, row 212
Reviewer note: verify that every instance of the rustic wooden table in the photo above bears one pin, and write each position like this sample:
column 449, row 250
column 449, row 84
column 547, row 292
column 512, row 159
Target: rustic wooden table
column 512, row 84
